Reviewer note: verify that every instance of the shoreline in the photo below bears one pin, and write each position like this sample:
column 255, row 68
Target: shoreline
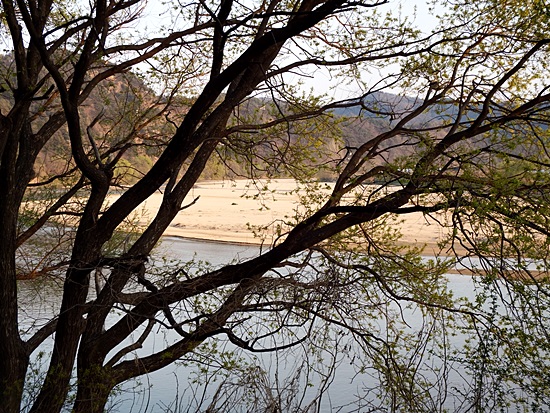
column 230, row 212
column 259, row 244
column 211, row 241
column 461, row 271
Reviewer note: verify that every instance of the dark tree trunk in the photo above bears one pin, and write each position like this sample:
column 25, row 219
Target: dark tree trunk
column 13, row 355
column 71, row 322
column 16, row 161
column 93, row 391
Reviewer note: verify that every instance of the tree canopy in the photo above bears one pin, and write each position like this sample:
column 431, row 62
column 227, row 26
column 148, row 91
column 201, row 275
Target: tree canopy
column 138, row 97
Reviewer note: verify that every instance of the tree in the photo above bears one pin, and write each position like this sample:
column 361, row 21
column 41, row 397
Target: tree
column 469, row 148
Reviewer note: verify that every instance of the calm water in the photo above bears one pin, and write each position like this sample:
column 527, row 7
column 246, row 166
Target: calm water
column 169, row 390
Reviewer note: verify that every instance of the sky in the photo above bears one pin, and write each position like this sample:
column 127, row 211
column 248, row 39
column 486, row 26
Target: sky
column 423, row 19
column 320, row 82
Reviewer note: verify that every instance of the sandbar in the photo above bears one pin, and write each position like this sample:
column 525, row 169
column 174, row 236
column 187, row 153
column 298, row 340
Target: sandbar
column 232, row 211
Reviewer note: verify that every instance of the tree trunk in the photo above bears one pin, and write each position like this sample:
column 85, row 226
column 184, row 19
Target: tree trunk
column 94, row 388
column 12, row 373
column 13, row 352
column 13, row 356
column 71, row 320
column 69, row 327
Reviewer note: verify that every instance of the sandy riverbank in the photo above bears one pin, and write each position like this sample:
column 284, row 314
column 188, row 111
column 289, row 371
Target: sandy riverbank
column 225, row 211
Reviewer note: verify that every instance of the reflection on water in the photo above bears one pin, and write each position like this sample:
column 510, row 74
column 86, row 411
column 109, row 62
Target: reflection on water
column 39, row 299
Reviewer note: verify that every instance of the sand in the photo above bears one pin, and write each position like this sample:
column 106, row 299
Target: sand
column 227, row 210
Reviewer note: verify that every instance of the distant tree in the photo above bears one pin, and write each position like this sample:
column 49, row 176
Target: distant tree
column 464, row 142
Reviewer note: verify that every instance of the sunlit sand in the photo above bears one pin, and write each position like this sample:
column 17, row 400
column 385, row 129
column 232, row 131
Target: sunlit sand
column 228, row 211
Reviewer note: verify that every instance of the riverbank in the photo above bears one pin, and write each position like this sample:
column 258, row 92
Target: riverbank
column 230, row 211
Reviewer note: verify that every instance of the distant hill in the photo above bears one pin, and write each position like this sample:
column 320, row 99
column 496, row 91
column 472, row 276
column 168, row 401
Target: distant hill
column 125, row 106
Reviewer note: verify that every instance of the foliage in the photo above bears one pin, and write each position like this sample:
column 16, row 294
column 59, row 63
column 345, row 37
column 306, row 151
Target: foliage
column 98, row 111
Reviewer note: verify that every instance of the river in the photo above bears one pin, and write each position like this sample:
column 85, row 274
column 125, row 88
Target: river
column 168, row 390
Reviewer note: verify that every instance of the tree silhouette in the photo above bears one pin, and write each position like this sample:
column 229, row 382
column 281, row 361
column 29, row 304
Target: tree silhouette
column 464, row 141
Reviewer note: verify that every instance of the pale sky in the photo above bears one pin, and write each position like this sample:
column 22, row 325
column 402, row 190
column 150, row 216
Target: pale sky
column 320, row 82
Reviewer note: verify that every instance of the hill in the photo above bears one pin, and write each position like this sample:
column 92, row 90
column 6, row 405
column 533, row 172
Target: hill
column 126, row 118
